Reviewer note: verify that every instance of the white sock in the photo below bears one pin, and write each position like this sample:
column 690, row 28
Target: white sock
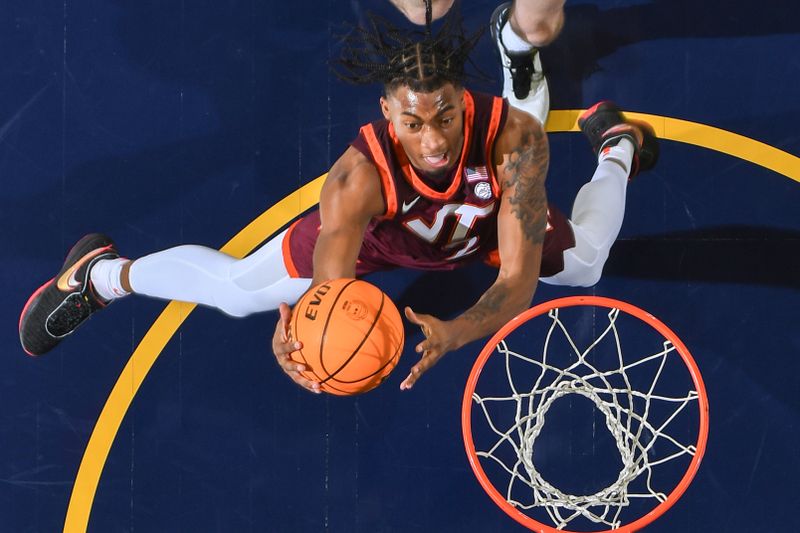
column 513, row 41
column 621, row 153
column 106, row 279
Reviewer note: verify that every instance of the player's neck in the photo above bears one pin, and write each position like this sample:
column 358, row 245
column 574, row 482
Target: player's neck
column 438, row 182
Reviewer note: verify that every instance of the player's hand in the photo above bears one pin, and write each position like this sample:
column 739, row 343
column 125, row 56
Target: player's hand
column 440, row 338
column 282, row 347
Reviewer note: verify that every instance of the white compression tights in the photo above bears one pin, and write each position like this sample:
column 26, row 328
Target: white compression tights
column 237, row 287
column 596, row 219
column 260, row 281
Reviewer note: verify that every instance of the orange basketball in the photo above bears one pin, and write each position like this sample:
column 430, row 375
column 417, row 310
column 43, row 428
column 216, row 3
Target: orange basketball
column 352, row 335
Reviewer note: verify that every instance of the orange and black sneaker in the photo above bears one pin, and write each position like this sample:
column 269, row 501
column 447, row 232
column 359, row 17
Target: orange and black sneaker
column 605, row 125
column 62, row 304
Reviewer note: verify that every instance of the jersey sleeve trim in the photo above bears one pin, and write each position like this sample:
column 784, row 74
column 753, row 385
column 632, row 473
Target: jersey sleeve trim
column 499, row 111
column 379, row 159
column 286, row 250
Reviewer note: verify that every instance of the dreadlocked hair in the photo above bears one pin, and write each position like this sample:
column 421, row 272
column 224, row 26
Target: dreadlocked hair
column 419, row 60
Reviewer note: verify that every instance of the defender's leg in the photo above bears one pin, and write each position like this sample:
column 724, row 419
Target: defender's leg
column 624, row 148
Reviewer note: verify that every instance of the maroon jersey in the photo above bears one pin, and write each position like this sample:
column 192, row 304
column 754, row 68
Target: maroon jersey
column 431, row 224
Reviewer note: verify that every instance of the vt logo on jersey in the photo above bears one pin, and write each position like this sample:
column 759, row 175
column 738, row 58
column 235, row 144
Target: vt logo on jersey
column 466, row 217
column 465, row 234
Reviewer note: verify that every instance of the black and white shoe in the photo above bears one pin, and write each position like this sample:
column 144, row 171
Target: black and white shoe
column 605, row 125
column 62, row 304
column 524, row 83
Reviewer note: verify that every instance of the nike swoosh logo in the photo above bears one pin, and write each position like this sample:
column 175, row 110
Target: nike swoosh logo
column 67, row 282
column 407, row 206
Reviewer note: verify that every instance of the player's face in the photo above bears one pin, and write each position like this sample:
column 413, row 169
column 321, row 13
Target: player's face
column 429, row 126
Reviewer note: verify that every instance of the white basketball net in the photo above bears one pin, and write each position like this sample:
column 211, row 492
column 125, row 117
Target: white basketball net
column 627, row 415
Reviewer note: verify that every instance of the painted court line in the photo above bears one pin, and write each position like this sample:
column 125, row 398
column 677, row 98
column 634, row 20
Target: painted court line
column 279, row 215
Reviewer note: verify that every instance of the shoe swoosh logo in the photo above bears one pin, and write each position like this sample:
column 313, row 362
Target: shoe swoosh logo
column 67, row 282
column 407, row 206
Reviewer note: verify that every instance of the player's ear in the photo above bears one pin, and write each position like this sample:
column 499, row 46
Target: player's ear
column 461, row 100
column 385, row 107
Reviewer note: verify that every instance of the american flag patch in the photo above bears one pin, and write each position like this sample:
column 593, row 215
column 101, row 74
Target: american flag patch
column 476, row 174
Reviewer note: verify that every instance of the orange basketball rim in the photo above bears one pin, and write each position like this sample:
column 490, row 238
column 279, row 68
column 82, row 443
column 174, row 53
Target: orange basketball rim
column 636, row 433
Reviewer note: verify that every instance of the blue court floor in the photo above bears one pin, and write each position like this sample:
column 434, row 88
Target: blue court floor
column 162, row 123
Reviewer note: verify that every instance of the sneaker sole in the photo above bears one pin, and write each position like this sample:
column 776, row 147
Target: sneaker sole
column 32, row 301
column 79, row 250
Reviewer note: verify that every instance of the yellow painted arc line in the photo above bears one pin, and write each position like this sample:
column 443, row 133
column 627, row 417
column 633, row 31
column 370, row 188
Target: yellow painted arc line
column 277, row 216
column 674, row 129
column 145, row 355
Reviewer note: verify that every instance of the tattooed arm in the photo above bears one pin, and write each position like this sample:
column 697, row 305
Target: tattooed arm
column 523, row 156
column 521, row 161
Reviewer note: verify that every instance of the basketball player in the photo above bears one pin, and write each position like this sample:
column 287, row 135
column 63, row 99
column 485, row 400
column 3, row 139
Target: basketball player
column 446, row 177
column 519, row 29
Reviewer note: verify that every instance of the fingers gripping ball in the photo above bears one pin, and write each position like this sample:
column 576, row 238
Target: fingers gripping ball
column 352, row 335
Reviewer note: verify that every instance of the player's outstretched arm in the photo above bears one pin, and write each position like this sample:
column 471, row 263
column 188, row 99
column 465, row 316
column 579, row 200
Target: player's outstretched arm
column 523, row 158
column 349, row 199
column 521, row 161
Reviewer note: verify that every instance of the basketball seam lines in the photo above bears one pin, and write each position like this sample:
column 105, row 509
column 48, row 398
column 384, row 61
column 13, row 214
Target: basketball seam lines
column 363, row 340
column 325, row 333
column 358, row 348
column 394, row 358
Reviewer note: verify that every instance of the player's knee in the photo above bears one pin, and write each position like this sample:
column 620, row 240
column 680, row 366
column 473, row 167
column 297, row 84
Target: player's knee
column 580, row 275
column 233, row 304
column 591, row 276
column 583, row 266
column 239, row 300
column 542, row 26
column 542, row 35
column 236, row 312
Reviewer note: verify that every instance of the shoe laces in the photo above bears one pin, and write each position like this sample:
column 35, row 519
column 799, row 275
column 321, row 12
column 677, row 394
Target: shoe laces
column 522, row 72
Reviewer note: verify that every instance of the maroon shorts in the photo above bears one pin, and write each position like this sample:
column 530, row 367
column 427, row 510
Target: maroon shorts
column 298, row 249
column 557, row 238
